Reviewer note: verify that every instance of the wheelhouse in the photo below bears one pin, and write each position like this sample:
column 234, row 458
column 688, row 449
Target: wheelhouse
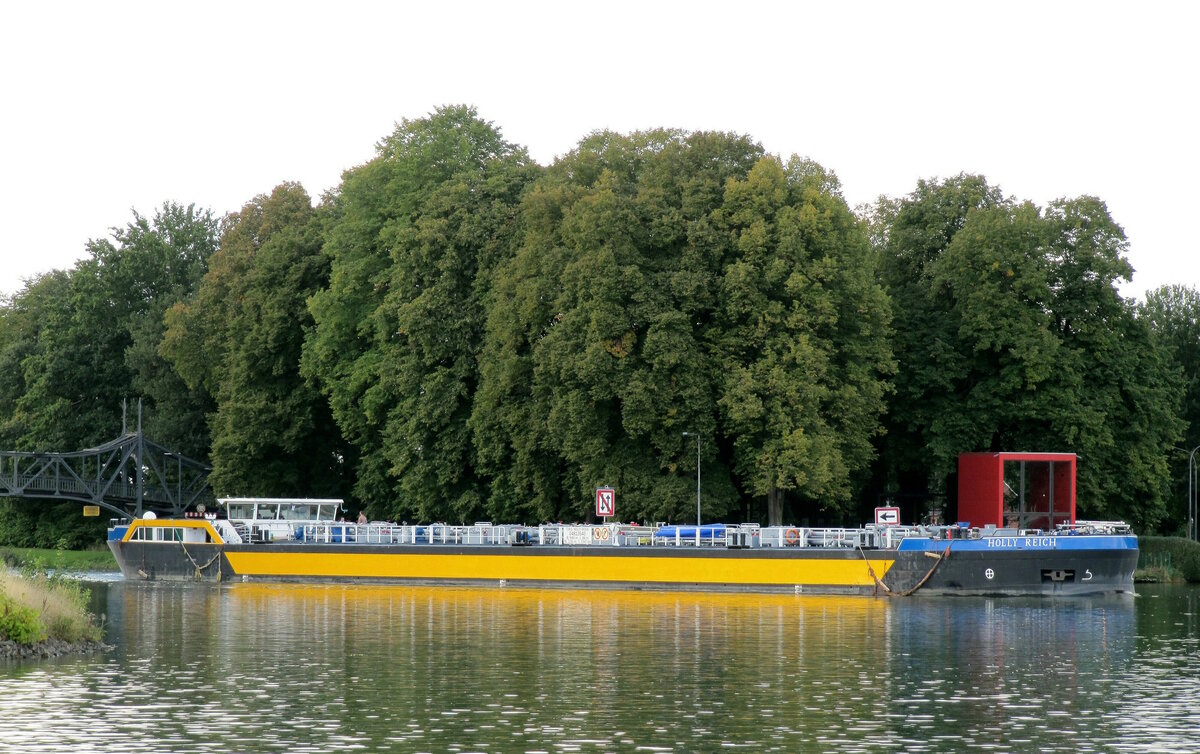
column 280, row 509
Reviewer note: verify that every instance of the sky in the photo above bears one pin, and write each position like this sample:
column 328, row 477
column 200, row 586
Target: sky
column 115, row 107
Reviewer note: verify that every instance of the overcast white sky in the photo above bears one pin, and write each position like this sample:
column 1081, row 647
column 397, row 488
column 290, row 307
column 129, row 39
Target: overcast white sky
column 114, row 106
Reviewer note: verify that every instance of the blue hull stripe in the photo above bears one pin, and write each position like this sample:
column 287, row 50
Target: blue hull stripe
column 1010, row 544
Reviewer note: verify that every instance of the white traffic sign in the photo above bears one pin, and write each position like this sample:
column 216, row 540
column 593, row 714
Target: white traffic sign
column 889, row 516
column 606, row 502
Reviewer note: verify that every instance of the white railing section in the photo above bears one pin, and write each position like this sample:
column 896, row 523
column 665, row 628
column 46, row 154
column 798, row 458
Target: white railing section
column 731, row 536
column 575, row 535
column 1095, row 527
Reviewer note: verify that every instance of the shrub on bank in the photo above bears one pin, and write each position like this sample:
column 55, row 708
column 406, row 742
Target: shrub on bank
column 35, row 606
column 1179, row 558
column 19, row 623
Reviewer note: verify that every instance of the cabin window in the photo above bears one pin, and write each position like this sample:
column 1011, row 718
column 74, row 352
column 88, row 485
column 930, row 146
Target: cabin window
column 158, row 534
column 1036, row 494
column 241, row 510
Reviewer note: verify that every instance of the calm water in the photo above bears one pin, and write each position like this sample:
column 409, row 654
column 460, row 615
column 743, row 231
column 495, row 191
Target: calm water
column 326, row 669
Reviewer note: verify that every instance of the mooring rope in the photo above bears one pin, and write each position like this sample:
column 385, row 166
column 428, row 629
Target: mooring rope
column 938, row 558
column 871, row 570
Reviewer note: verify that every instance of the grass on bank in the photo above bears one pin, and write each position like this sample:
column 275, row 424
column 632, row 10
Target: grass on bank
column 36, row 606
column 1168, row 559
column 100, row 559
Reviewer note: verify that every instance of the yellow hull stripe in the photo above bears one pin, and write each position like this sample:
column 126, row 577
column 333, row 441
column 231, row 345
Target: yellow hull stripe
column 579, row 568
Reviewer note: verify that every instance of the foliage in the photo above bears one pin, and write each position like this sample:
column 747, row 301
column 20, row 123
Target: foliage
column 1018, row 339
column 663, row 282
column 458, row 333
column 1173, row 314
column 594, row 363
column 910, row 234
column 77, row 343
column 90, row 353
column 1181, row 555
column 24, row 319
column 238, row 338
column 51, row 525
column 96, row 558
column 19, row 623
column 413, row 238
column 802, row 337
column 44, row 606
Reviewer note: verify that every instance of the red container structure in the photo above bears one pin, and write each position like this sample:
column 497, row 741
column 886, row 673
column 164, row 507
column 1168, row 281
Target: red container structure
column 1016, row 490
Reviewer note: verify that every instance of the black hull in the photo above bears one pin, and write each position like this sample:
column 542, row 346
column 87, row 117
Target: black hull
column 984, row 573
column 171, row 561
column 1029, row 572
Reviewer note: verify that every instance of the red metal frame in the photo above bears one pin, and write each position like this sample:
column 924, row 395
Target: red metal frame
column 981, row 489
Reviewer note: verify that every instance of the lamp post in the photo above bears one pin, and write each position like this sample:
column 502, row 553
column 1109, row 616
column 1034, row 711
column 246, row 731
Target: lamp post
column 1191, row 522
column 697, row 436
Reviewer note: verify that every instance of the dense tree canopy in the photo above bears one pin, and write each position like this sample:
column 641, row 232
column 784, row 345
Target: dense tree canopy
column 596, row 360
column 1021, row 341
column 239, row 338
column 82, row 342
column 673, row 283
column 415, row 235
column 456, row 333
column 91, row 351
column 1173, row 313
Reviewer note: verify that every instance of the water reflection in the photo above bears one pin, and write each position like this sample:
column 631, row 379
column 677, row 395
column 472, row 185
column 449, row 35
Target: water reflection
column 248, row 667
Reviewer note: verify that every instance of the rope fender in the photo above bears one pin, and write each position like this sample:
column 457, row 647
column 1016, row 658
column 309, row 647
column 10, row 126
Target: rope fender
column 200, row 568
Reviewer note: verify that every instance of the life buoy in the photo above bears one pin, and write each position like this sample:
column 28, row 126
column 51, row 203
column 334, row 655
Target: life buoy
column 791, row 536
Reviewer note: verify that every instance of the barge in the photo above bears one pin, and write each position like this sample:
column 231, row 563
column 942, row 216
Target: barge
column 1034, row 546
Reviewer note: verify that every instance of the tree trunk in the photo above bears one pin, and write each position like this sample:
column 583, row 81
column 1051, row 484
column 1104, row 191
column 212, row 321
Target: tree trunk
column 774, row 507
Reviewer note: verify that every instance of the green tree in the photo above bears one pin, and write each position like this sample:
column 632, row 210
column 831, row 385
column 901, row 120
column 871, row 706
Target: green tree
column 649, row 294
column 595, row 362
column 81, row 342
column 89, row 356
column 239, row 339
column 413, row 239
column 1023, row 342
column 1173, row 312
column 910, row 234
column 802, row 338
column 23, row 320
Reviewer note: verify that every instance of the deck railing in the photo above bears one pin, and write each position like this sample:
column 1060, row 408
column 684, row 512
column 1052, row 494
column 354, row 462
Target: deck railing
column 575, row 535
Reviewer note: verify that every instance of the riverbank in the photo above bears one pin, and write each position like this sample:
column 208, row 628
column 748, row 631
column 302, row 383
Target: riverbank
column 99, row 559
column 1168, row 560
column 11, row 650
column 45, row 615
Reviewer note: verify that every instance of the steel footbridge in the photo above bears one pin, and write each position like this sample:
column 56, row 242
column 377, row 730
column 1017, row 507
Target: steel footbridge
column 126, row 476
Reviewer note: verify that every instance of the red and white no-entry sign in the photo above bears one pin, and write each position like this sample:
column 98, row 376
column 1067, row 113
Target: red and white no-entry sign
column 606, row 502
column 889, row 516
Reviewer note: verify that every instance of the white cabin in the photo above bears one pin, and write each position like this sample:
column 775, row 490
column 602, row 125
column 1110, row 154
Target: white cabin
column 276, row 518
